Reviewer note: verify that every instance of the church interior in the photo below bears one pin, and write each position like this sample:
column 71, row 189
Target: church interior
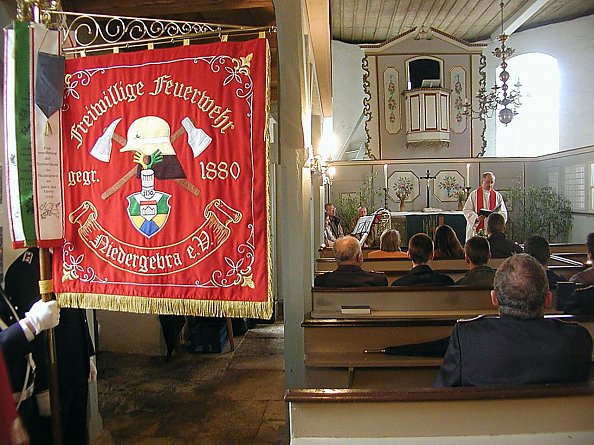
column 366, row 97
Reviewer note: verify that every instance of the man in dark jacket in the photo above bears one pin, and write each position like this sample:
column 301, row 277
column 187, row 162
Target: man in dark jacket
column 73, row 348
column 349, row 273
column 580, row 301
column 520, row 346
column 420, row 251
column 539, row 248
column 334, row 221
column 500, row 246
column 21, row 335
column 477, row 254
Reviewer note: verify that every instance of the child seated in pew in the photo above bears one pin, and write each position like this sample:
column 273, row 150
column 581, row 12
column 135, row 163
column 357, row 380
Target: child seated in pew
column 477, row 254
column 389, row 246
column 446, row 244
column 420, row 251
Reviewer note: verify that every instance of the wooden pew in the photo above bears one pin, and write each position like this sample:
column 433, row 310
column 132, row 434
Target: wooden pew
column 396, row 301
column 581, row 257
column 335, row 343
column 394, row 268
column 561, row 249
column 536, row 414
column 402, row 264
column 335, row 357
column 568, row 247
column 335, row 349
column 456, row 268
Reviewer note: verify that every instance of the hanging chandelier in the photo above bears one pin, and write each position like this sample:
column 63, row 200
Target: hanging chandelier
column 500, row 95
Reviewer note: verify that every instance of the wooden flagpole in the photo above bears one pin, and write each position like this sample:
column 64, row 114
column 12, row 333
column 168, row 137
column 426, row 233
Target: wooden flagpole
column 46, row 291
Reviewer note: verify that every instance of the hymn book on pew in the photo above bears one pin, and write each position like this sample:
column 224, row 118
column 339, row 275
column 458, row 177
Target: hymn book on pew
column 355, row 310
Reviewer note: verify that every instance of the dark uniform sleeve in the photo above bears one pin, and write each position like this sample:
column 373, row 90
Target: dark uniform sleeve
column 13, row 342
column 450, row 373
column 22, row 286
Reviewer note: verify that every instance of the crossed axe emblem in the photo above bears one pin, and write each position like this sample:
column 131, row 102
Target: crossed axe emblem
column 101, row 150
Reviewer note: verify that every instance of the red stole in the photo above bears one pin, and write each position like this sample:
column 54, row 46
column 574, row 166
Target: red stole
column 479, row 204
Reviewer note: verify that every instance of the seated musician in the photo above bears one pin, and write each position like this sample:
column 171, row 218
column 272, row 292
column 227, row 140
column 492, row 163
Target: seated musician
column 477, row 254
column 389, row 246
column 329, row 238
column 520, row 346
column 538, row 247
column 420, row 251
column 349, row 273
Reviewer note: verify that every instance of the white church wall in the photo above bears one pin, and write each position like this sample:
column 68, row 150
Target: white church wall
column 347, row 97
column 566, row 172
column 571, row 43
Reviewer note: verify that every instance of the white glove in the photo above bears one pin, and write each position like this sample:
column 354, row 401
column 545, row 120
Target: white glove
column 43, row 315
column 43, row 403
column 92, row 370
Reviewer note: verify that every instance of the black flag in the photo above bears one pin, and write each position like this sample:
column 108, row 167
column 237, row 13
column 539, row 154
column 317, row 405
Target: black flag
column 49, row 83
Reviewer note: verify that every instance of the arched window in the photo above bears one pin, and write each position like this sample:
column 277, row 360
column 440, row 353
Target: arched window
column 535, row 130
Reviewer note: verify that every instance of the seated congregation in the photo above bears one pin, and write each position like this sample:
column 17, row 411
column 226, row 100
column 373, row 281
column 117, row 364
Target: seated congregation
column 523, row 340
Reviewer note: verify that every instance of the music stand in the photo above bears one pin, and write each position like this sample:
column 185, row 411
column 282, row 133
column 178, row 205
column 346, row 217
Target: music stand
column 364, row 224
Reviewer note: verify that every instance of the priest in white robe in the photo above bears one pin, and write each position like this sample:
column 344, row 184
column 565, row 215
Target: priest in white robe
column 485, row 197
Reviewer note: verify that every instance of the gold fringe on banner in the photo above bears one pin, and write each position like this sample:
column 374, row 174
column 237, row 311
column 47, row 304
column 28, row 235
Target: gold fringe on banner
column 48, row 129
column 270, row 296
column 146, row 305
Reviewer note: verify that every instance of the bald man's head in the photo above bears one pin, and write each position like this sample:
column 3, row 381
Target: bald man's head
column 347, row 250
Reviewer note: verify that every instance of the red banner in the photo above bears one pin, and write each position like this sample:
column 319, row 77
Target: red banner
column 166, row 181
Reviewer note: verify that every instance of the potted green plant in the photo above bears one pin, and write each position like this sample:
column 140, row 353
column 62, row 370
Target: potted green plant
column 536, row 210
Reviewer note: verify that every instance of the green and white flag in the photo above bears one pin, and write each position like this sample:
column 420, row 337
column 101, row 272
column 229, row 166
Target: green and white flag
column 32, row 140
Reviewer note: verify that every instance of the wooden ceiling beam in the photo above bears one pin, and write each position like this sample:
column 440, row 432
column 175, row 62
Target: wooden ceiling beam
column 162, row 8
column 318, row 12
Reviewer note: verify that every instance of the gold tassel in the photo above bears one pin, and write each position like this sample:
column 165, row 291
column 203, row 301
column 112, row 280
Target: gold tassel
column 145, row 305
column 48, row 129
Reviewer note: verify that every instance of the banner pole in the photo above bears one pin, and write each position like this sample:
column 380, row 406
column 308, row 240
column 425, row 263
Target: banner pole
column 46, row 291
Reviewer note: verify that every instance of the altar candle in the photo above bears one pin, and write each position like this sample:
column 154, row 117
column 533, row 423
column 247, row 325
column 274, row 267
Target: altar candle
column 385, row 176
column 467, row 179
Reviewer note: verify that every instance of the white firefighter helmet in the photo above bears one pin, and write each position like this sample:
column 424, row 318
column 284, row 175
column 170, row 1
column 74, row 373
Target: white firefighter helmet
column 147, row 135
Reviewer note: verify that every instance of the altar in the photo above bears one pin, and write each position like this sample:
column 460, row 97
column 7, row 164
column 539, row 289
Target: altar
column 411, row 223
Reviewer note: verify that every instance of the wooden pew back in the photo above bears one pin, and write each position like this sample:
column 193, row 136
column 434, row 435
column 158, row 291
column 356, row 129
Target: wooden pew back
column 455, row 268
column 335, row 349
column 568, row 247
column 393, row 301
column 547, row 414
